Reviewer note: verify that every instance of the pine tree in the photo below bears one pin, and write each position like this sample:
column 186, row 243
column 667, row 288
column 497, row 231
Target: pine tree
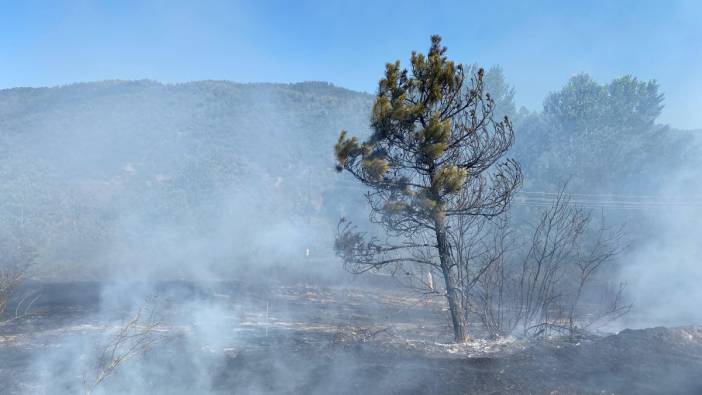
column 434, row 156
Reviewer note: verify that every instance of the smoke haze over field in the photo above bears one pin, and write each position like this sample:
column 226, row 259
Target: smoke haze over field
column 664, row 273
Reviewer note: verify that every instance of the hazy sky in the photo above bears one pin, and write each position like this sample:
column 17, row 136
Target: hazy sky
column 540, row 44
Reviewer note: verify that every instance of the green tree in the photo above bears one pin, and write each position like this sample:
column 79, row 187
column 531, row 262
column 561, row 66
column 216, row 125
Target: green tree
column 434, row 157
column 600, row 136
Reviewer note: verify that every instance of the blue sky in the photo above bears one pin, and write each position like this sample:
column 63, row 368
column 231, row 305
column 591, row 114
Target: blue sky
column 539, row 44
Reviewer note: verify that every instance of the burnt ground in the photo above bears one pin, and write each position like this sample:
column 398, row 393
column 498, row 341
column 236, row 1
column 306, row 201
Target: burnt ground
column 297, row 339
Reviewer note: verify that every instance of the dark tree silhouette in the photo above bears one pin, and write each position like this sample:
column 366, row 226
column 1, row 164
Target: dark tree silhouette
column 433, row 158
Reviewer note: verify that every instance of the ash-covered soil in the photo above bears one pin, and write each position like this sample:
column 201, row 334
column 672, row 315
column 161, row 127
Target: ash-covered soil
column 298, row 339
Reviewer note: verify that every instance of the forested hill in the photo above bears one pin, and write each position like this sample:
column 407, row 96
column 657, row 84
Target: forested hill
column 99, row 128
column 96, row 169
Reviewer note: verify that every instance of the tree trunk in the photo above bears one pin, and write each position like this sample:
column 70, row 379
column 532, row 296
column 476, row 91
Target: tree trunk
column 454, row 301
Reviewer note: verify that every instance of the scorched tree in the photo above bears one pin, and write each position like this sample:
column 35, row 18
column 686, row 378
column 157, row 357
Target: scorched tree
column 435, row 156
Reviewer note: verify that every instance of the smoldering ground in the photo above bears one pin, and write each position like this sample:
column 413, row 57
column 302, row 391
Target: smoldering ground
column 247, row 338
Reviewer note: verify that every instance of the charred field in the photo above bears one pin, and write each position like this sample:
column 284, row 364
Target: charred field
column 272, row 337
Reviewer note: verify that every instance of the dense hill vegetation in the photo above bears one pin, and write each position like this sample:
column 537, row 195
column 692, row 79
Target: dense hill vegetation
column 128, row 171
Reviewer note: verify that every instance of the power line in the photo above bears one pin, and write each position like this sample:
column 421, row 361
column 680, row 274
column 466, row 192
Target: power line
column 602, row 195
column 588, row 200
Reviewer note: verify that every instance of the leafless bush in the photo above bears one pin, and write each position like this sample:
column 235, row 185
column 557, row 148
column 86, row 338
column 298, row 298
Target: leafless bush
column 132, row 339
column 540, row 289
column 490, row 292
column 15, row 262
